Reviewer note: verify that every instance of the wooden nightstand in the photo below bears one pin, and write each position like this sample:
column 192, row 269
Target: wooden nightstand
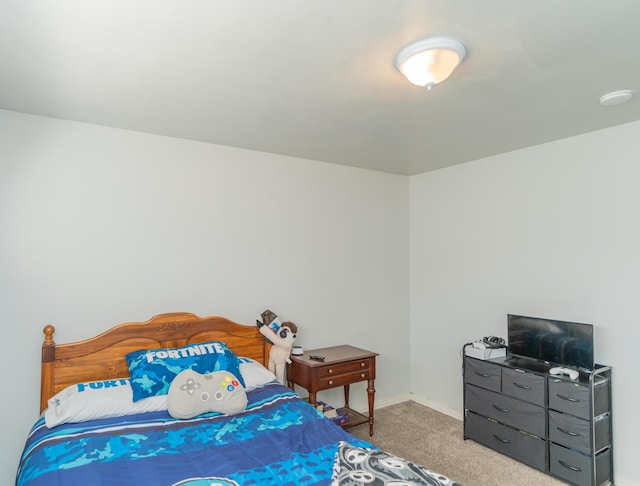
column 343, row 365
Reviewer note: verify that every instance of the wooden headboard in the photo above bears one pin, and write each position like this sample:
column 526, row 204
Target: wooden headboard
column 102, row 357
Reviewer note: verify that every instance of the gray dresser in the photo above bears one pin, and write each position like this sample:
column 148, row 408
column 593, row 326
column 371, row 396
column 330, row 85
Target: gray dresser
column 551, row 423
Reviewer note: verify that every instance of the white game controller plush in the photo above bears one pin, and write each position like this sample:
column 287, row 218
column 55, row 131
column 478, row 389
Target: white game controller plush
column 192, row 394
column 573, row 374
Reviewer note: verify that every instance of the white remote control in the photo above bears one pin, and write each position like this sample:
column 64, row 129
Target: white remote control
column 573, row 374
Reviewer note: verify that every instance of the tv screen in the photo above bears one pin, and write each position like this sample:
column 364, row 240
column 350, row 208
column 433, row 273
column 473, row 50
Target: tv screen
column 554, row 342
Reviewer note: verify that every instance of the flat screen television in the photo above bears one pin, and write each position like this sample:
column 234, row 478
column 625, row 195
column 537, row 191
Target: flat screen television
column 555, row 342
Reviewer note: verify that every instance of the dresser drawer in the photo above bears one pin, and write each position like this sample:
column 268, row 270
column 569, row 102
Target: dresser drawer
column 510, row 411
column 483, row 374
column 570, row 397
column 523, row 447
column 525, row 386
column 343, row 368
column 570, row 431
column 576, row 433
column 576, row 468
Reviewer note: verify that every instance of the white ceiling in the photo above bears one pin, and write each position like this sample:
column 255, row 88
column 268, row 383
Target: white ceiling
column 316, row 78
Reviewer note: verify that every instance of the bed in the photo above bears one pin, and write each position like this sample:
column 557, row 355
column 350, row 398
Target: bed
column 101, row 438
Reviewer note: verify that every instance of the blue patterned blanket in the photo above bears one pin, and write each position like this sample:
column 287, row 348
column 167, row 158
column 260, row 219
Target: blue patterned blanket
column 278, row 440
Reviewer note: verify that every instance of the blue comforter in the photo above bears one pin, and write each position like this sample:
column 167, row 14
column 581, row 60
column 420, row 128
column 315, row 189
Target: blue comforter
column 278, row 440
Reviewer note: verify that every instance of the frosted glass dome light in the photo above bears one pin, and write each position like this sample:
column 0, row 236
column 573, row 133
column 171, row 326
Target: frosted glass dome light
column 428, row 62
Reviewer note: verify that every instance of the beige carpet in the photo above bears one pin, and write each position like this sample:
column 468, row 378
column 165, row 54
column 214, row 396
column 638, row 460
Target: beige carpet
column 435, row 441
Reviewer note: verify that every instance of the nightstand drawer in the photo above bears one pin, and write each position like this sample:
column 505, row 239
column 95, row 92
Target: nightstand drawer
column 343, row 379
column 344, row 368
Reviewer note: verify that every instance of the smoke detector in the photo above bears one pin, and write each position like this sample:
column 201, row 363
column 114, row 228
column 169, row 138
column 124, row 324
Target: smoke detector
column 617, row 97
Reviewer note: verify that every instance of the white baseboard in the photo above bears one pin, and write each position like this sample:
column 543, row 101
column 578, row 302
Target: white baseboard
column 626, row 481
column 383, row 402
column 438, row 407
column 386, row 402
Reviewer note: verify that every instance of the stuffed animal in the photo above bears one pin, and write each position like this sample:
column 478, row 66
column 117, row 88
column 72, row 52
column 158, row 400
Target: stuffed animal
column 281, row 336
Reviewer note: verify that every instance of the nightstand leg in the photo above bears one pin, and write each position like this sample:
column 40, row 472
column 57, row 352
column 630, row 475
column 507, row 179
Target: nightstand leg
column 312, row 398
column 370, row 395
column 346, row 395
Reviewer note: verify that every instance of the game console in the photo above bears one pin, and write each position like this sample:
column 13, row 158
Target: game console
column 480, row 350
column 573, row 374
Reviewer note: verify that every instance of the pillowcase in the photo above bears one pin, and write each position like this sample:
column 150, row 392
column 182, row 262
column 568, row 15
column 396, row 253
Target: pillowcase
column 153, row 370
column 97, row 400
column 254, row 374
column 192, row 394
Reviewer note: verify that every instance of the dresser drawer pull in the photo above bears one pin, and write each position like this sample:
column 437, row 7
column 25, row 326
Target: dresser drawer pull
column 568, row 399
column 568, row 432
column 524, row 387
column 500, row 409
column 362, row 375
column 504, row 441
column 483, row 375
column 573, row 468
column 330, row 382
column 362, row 365
column 330, row 370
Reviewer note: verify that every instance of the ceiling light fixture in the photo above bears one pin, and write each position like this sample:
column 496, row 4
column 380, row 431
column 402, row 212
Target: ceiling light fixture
column 428, row 62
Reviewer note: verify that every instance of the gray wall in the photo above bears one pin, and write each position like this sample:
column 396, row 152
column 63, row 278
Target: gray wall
column 101, row 226
column 550, row 231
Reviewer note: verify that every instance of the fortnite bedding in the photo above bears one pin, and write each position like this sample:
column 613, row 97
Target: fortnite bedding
column 279, row 439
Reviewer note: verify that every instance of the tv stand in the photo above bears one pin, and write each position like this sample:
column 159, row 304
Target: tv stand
column 559, row 426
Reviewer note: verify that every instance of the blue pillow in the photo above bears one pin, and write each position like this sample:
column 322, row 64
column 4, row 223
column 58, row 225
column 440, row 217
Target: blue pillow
column 153, row 370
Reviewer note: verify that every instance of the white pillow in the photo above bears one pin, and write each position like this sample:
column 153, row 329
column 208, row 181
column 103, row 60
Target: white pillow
column 114, row 398
column 254, row 374
column 98, row 400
